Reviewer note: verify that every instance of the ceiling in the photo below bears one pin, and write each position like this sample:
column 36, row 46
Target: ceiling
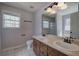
column 34, row 6
column 29, row 6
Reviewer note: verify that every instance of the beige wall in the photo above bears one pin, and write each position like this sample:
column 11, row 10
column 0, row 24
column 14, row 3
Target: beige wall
column 12, row 36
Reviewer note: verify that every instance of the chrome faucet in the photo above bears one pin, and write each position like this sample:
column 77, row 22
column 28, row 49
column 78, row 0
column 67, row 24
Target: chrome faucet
column 68, row 40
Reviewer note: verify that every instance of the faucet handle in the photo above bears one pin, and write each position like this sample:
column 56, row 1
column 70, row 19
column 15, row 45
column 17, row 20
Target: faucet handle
column 70, row 41
column 66, row 39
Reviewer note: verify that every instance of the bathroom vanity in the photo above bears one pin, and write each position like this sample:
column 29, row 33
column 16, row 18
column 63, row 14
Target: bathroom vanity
column 42, row 49
column 44, row 46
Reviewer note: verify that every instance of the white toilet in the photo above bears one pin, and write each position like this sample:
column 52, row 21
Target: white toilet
column 29, row 44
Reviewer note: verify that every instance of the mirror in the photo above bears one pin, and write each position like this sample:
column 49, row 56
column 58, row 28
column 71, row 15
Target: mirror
column 64, row 23
column 49, row 25
column 70, row 25
column 75, row 24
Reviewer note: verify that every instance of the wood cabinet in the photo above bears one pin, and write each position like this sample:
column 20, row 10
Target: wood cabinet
column 38, row 48
column 36, row 45
column 42, row 49
column 54, row 52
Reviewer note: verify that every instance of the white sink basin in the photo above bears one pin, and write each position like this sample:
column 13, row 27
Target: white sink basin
column 66, row 46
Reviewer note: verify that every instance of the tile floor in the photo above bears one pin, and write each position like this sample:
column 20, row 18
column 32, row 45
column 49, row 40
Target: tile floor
column 22, row 51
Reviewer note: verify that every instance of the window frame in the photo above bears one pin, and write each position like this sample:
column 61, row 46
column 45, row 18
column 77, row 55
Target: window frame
column 44, row 24
column 11, row 14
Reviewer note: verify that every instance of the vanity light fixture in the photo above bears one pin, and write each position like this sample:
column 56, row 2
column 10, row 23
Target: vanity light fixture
column 49, row 10
column 53, row 11
column 62, row 5
column 54, row 7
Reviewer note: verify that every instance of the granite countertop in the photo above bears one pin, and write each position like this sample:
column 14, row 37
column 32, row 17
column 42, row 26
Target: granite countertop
column 50, row 39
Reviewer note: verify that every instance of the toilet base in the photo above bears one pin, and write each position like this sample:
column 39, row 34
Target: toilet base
column 29, row 44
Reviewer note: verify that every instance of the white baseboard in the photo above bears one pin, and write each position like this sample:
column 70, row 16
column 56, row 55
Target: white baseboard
column 14, row 47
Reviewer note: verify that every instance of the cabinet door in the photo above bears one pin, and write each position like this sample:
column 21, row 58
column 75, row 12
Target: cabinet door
column 38, row 50
column 54, row 52
column 34, row 46
column 43, row 49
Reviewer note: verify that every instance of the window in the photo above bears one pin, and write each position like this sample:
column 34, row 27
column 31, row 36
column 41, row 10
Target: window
column 45, row 24
column 67, row 26
column 11, row 21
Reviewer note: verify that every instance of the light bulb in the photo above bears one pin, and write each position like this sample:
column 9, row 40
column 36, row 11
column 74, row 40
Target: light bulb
column 61, row 5
column 53, row 11
column 49, row 10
